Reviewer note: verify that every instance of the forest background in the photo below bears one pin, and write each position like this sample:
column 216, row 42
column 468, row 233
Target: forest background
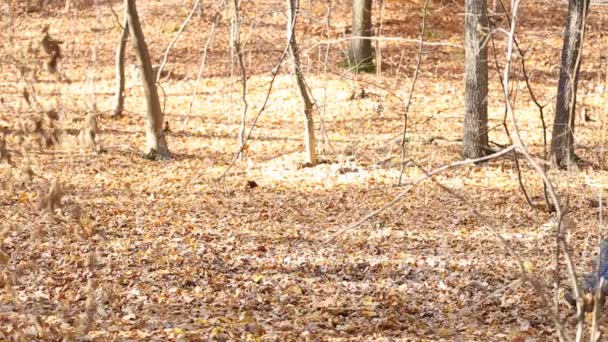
column 244, row 238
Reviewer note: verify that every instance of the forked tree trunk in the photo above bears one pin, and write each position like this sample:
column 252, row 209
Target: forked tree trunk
column 361, row 54
column 475, row 138
column 309, row 125
column 119, row 96
column 562, row 139
column 156, row 143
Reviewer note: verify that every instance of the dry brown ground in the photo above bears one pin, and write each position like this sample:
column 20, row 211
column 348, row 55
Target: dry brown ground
column 174, row 254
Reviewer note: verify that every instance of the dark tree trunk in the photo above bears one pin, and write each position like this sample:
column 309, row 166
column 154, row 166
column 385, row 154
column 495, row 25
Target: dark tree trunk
column 361, row 53
column 309, row 125
column 562, row 139
column 475, row 138
column 156, row 143
column 119, row 96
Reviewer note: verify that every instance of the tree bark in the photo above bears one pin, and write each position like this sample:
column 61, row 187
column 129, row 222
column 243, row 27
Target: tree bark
column 156, row 143
column 119, row 97
column 563, row 127
column 309, row 125
column 475, row 138
column 361, row 54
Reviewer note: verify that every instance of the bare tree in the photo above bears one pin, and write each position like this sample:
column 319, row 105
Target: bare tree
column 235, row 38
column 309, row 125
column 361, row 53
column 562, row 140
column 475, row 138
column 119, row 96
column 156, row 143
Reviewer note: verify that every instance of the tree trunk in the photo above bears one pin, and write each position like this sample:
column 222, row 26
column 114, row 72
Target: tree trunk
column 361, row 54
column 119, row 97
column 475, row 139
column 562, row 139
column 156, row 144
column 309, row 125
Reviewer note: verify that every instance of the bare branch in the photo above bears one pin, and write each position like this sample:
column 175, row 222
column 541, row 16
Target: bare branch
column 201, row 68
column 414, row 183
column 412, row 87
column 179, row 32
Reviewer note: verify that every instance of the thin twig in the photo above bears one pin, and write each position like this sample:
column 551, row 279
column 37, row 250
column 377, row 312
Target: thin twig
column 262, row 109
column 412, row 87
column 505, row 115
column 116, row 16
column 470, row 308
column 323, row 112
column 413, row 184
column 388, row 39
column 236, row 45
column 540, row 171
column 177, row 35
column 201, row 68
column 523, row 273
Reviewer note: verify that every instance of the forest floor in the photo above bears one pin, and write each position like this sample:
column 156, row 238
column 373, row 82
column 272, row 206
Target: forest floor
column 144, row 250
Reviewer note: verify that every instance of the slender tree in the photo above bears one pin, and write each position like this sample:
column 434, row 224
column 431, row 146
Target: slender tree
column 361, row 53
column 563, row 127
column 156, row 143
column 309, row 125
column 119, row 96
column 475, row 138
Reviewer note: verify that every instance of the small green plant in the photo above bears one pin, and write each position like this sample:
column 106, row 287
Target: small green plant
column 368, row 66
column 432, row 34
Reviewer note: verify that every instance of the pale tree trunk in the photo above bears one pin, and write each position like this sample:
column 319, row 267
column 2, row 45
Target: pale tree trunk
column 119, row 96
column 475, row 138
column 156, row 143
column 361, row 54
column 236, row 49
column 562, row 139
column 309, row 125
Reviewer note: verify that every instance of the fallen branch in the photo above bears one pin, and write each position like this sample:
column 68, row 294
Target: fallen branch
column 388, row 39
column 414, row 183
